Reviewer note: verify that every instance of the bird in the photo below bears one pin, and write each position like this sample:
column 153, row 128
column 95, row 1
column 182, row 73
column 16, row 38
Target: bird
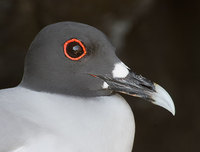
column 69, row 97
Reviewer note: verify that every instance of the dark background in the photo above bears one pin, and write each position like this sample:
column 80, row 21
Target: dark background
column 156, row 38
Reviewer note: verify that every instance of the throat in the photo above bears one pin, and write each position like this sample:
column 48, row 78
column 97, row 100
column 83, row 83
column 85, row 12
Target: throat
column 64, row 89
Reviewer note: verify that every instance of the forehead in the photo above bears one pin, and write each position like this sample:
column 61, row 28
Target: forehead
column 67, row 30
column 53, row 37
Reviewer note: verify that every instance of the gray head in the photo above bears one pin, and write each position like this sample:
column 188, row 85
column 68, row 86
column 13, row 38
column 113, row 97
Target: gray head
column 76, row 59
column 47, row 68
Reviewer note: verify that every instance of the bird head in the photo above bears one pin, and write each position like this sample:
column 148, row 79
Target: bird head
column 76, row 59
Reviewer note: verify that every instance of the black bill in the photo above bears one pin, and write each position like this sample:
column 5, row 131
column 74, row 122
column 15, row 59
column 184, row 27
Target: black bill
column 138, row 86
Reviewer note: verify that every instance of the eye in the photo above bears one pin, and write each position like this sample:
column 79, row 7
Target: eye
column 74, row 49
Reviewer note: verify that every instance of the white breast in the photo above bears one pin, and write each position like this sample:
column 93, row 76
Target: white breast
column 67, row 124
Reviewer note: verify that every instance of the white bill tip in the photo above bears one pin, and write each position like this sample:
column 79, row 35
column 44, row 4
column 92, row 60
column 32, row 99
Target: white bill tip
column 163, row 99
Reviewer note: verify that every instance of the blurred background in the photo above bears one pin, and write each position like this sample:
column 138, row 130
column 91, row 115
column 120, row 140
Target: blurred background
column 156, row 38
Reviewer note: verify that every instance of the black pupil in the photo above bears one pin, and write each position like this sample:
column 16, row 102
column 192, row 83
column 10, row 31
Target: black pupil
column 74, row 50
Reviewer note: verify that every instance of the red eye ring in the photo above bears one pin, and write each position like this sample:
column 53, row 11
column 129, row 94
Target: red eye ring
column 80, row 44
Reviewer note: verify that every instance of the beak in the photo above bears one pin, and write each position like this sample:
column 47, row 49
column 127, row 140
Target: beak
column 138, row 86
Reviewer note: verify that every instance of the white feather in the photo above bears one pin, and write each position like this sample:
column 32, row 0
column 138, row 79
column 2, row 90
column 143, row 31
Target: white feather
column 120, row 70
column 57, row 123
column 105, row 85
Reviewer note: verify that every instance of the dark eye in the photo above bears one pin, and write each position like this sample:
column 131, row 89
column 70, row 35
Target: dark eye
column 74, row 49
